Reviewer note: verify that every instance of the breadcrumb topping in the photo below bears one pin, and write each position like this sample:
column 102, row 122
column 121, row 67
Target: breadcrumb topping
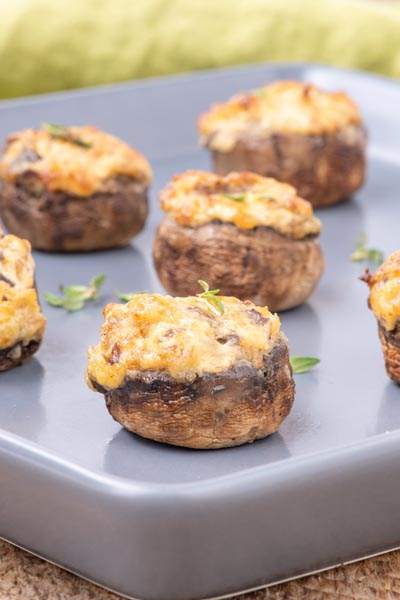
column 289, row 107
column 384, row 298
column 21, row 319
column 246, row 199
column 64, row 166
column 184, row 337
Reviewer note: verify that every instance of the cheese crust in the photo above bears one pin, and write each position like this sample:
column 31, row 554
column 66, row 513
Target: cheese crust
column 289, row 107
column 184, row 337
column 384, row 298
column 16, row 262
column 245, row 199
column 65, row 166
column 21, row 319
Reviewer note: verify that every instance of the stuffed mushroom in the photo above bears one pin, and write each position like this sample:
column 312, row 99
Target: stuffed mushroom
column 200, row 372
column 22, row 323
column 250, row 236
column 384, row 300
column 292, row 131
column 72, row 188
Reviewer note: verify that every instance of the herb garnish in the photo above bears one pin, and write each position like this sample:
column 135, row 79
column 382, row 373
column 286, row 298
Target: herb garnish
column 61, row 132
column 74, row 296
column 361, row 252
column 125, row 297
column 210, row 295
column 236, row 197
column 303, row 364
column 242, row 197
column 259, row 92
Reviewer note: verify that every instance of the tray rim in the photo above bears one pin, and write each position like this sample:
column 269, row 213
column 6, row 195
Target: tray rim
column 225, row 596
column 256, row 473
column 110, row 88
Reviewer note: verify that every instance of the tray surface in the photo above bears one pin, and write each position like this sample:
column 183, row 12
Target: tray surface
column 49, row 416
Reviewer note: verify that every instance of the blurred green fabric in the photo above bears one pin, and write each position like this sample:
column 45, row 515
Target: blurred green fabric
column 48, row 45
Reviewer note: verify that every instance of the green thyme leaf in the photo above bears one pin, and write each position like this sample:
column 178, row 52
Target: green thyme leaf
column 73, row 297
column 73, row 303
column 97, row 282
column 210, row 295
column 259, row 92
column 52, row 299
column 62, row 133
column 302, row 364
column 242, row 197
column 363, row 240
column 362, row 253
column 73, row 290
column 375, row 256
column 236, row 197
column 125, row 297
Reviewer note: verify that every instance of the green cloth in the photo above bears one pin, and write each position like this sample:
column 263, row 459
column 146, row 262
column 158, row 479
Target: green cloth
column 48, row 45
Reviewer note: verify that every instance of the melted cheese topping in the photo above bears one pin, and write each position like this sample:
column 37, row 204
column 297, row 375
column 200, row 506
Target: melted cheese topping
column 245, row 199
column 185, row 337
column 384, row 295
column 281, row 107
column 64, row 166
column 20, row 317
column 16, row 262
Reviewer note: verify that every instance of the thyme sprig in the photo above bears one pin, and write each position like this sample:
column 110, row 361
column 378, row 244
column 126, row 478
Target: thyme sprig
column 242, row 197
column 210, row 296
column 361, row 252
column 236, row 197
column 303, row 364
column 127, row 296
column 63, row 133
column 74, row 297
column 259, row 92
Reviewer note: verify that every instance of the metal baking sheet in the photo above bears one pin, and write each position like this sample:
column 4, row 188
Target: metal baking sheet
column 157, row 522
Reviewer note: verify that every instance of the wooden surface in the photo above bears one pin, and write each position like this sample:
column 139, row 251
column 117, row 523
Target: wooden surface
column 25, row 577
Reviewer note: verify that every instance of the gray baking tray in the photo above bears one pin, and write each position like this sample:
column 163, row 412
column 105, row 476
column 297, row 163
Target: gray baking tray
column 162, row 523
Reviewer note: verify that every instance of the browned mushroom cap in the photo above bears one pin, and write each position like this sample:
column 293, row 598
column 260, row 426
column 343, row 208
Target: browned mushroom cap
column 295, row 132
column 21, row 321
column 214, row 411
column 212, row 380
column 249, row 236
column 324, row 169
column 63, row 196
column 58, row 222
column 18, row 354
column 390, row 341
column 384, row 300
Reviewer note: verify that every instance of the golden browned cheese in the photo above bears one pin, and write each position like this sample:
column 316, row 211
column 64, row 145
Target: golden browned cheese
column 16, row 262
column 64, row 166
column 184, row 337
column 20, row 317
column 282, row 107
column 245, row 199
column 384, row 295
